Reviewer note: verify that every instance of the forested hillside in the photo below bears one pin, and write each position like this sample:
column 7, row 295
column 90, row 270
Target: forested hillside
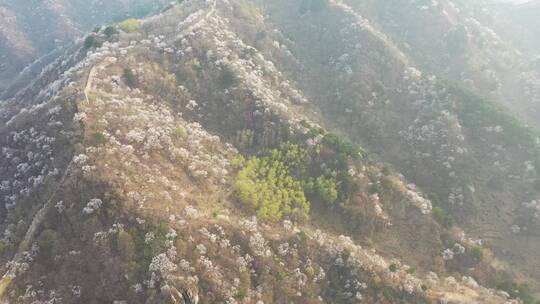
column 283, row 151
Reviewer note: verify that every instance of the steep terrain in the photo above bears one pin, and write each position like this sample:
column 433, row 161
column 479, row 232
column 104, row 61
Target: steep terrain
column 29, row 30
column 517, row 23
column 476, row 158
column 466, row 42
column 212, row 154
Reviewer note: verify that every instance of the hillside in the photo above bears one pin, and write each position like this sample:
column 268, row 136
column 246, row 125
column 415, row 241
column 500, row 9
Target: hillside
column 218, row 152
column 31, row 30
column 521, row 19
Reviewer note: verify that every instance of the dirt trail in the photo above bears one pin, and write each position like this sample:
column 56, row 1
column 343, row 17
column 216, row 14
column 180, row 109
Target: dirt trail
column 89, row 83
column 199, row 22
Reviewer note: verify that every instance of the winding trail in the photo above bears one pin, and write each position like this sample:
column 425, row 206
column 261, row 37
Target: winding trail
column 89, row 82
column 199, row 22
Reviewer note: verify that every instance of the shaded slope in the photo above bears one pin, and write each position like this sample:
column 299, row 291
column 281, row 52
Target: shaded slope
column 478, row 160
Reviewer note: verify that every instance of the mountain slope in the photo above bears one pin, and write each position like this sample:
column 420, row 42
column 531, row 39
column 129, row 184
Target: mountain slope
column 132, row 171
column 30, row 30
column 451, row 142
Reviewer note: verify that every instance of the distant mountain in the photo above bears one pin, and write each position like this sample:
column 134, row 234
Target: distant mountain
column 526, row 16
column 285, row 151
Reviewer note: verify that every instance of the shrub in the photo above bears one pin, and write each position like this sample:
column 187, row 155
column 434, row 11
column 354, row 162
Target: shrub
column 110, row 31
column 477, row 253
column 145, row 250
column 129, row 25
column 346, row 185
column 130, row 78
column 46, row 240
column 313, row 131
column 293, row 156
column 181, row 132
column 96, row 139
column 342, row 146
column 282, row 274
column 249, row 51
column 228, row 77
column 442, row 217
column 324, row 189
column 92, row 42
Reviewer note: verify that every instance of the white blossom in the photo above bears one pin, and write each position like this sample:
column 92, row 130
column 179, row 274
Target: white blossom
column 92, row 205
